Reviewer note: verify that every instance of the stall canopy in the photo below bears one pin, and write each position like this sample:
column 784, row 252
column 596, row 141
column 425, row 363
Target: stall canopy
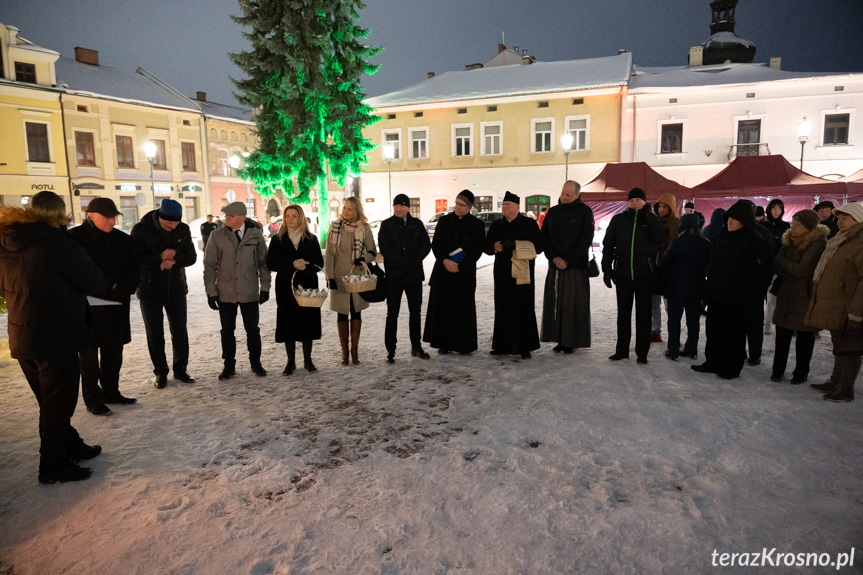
column 855, row 186
column 761, row 179
column 607, row 191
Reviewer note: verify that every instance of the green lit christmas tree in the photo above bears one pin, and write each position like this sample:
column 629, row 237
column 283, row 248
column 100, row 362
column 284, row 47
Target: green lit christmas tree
column 303, row 86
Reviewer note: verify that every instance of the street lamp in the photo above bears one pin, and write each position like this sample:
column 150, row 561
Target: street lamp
column 566, row 141
column 803, row 132
column 150, row 151
column 389, row 153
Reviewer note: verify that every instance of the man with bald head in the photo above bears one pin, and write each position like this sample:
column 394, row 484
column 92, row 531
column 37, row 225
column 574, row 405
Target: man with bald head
column 567, row 234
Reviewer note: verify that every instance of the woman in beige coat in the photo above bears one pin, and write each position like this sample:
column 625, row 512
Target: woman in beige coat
column 350, row 242
column 837, row 302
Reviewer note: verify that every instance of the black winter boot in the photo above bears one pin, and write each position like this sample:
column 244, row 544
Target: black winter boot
column 307, row 357
column 290, row 347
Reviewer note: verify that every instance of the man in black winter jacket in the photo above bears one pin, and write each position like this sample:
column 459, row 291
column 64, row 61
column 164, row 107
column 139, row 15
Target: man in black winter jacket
column 164, row 246
column 404, row 244
column 44, row 276
column 629, row 255
column 114, row 252
column 734, row 291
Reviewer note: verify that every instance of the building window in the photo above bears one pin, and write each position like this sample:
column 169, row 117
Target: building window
column 748, row 137
column 187, row 123
column 125, row 152
column 542, row 132
column 579, row 128
column 671, row 139
column 462, row 134
column 461, row 111
column 492, row 134
column 836, row 129
column 188, row 152
column 393, row 138
column 491, row 109
column 224, row 163
column 82, row 108
column 543, row 104
column 25, row 72
column 85, row 148
column 419, row 143
column 37, row 142
column 483, row 203
column 577, row 101
column 418, row 114
column 415, row 207
column 391, row 116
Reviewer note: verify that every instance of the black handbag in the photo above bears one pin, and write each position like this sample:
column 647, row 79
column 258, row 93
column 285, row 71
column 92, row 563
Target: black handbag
column 847, row 341
column 593, row 268
column 378, row 294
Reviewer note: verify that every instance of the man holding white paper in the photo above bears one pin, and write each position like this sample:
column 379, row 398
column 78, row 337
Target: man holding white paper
column 457, row 245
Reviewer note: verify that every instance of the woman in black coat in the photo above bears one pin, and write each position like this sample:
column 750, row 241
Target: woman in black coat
column 294, row 249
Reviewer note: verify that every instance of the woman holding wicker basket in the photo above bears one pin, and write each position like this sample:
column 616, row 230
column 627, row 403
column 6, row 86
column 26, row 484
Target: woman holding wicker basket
column 295, row 256
column 349, row 245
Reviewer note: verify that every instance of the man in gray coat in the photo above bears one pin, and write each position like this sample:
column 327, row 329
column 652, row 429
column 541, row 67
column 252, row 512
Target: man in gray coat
column 236, row 276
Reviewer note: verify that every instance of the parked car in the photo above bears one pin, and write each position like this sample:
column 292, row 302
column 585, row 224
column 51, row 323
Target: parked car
column 488, row 217
column 432, row 223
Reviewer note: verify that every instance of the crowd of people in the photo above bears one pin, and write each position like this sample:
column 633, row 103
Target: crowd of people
column 68, row 293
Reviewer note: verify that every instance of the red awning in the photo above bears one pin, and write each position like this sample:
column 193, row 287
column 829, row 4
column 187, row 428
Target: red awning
column 613, row 182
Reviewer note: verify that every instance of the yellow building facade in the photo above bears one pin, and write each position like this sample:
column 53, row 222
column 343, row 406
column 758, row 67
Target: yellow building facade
column 32, row 155
column 460, row 131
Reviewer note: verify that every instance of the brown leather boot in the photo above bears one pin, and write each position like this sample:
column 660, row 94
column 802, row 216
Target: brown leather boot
column 343, row 339
column 356, row 326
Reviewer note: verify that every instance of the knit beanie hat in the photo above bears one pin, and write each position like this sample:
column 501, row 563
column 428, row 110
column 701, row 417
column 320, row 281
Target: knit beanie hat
column 809, row 218
column 689, row 221
column 466, row 196
column 636, row 193
column 171, row 210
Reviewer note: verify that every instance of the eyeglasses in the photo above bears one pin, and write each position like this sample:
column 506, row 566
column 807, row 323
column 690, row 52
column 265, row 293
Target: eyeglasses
column 461, row 204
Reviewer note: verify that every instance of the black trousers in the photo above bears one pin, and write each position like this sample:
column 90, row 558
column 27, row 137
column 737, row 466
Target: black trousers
column 675, row 310
column 55, row 384
column 414, row 293
column 725, row 348
column 755, row 331
column 641, row 291
column 100, row 364
column 228, row 318
column 154, row 325
column 803, row 349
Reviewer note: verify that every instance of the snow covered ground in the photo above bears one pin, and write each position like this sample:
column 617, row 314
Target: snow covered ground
column 477, row 464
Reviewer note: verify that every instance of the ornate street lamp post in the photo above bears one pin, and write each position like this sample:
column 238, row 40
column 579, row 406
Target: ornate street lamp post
column 150, row 151
column 803, row 133
column 566, row 141
column 389, row 153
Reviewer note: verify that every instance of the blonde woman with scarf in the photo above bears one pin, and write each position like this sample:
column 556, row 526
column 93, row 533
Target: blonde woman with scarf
column 837, row 302
column 350, row 242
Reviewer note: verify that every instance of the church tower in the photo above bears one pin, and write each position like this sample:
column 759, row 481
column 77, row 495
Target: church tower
column 724, row 45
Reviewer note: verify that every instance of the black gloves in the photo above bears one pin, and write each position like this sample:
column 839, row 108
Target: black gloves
column 213, row 302
column 359, row 261
column 332, row 284
column 507, row 244
column 607, row 279
column 265, row 295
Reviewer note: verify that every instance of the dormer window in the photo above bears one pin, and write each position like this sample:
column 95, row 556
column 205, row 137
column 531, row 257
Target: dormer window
column 25, row 72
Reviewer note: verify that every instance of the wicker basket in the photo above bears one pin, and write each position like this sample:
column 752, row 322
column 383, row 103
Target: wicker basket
column 307, row 300
column 359, row 287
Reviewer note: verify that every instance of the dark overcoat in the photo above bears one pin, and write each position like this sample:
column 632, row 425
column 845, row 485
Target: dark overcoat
column 515, row 328
column 295, row 323
column 404, row 245
column 114, row 253
column 44, row 276
column 451, row 317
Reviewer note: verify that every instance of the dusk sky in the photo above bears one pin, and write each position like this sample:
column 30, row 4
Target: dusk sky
column 185, row 42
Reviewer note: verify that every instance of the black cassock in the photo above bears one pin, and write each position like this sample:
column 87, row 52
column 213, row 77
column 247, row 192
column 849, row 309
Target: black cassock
column 451, row 316
column 515, row 328
column 295, row 323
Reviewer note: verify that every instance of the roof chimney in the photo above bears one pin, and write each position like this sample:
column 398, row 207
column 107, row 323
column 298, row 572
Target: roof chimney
column 431, row 75
column 201, row 96
column 619, row 52
column 525, row 59
column 476, row 66
column 86, row 56
column 776, row 63
column 696, row 56
column 500, row 48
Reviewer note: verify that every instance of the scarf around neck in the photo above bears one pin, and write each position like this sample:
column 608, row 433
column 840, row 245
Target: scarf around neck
column 832, row 245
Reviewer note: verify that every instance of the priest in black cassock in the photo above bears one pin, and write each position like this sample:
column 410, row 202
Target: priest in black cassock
column 567, row 233
column 457, row 245
column 515, row 330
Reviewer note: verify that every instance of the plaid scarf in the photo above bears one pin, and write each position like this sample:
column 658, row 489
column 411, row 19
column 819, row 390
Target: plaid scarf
column 356, row 228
